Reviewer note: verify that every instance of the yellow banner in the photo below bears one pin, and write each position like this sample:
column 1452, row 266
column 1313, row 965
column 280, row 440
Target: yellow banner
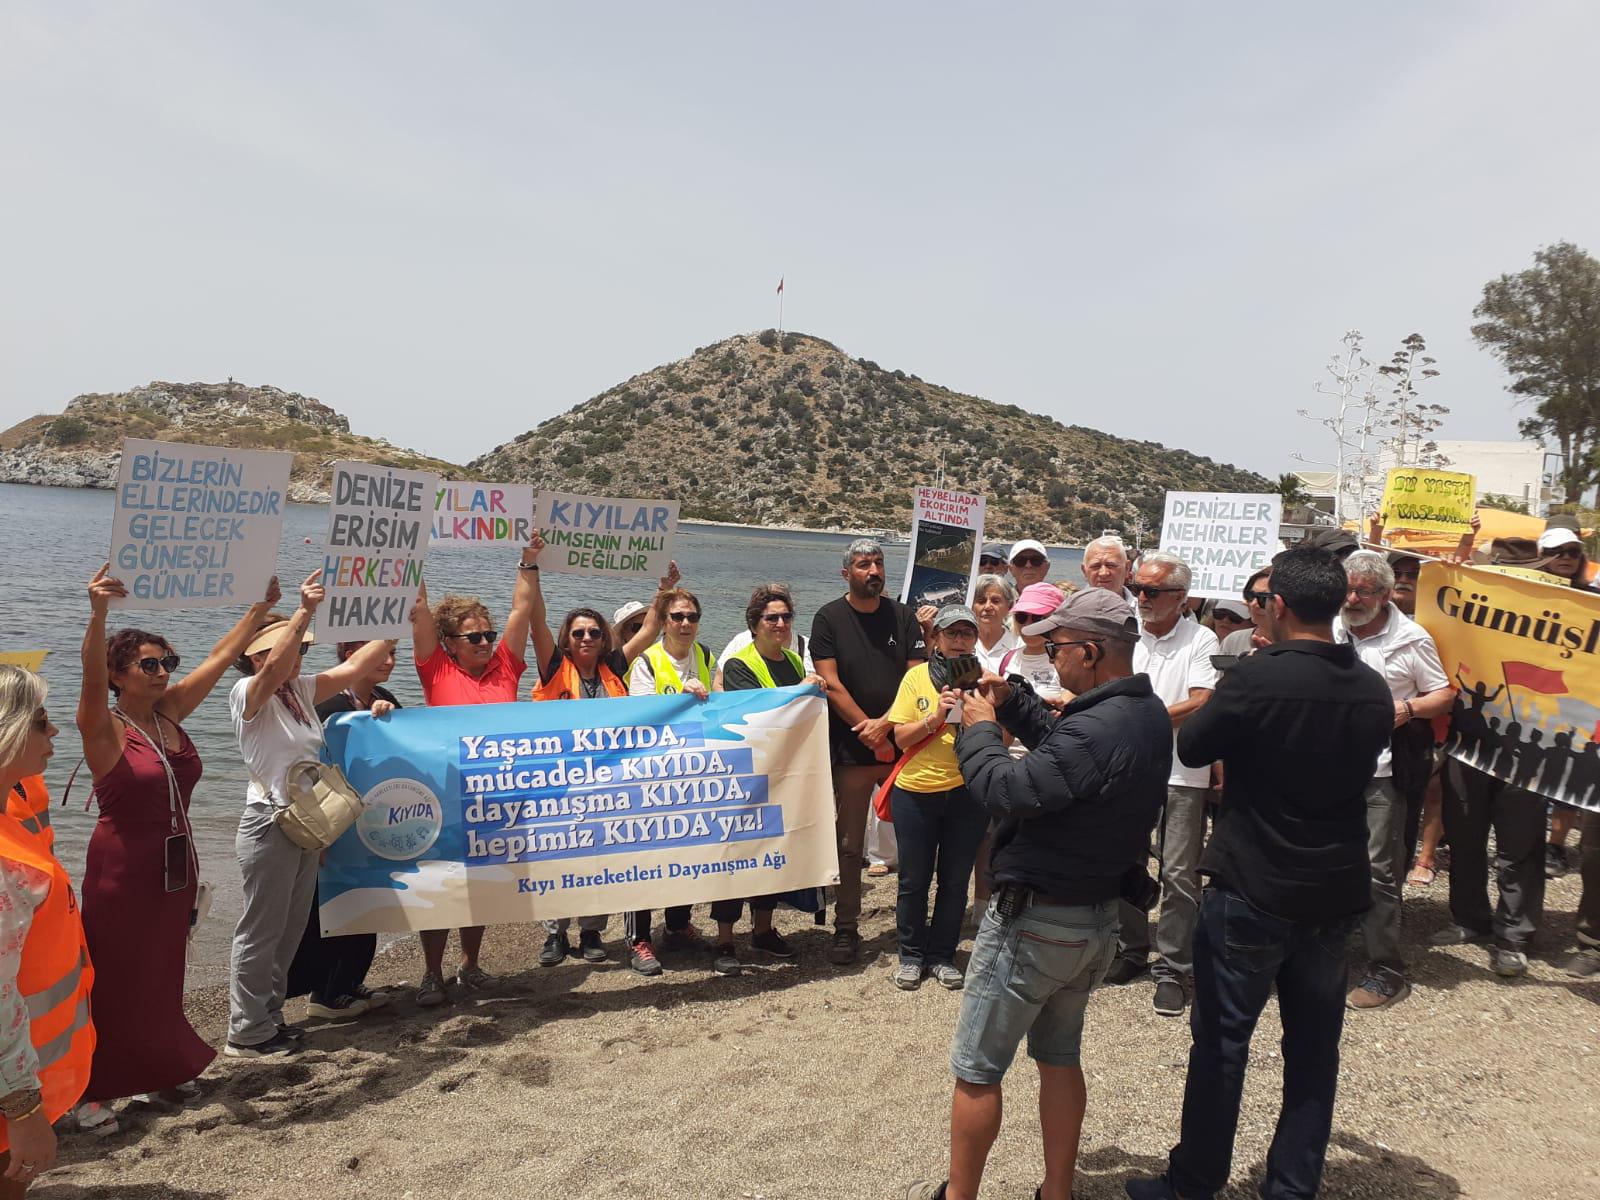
column 1414, row 498
column 1525, row 658
column 28, row 660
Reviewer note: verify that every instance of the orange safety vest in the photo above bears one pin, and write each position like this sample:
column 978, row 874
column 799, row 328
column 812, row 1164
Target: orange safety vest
column 54, row 978
column 565, row 684
column 29, row 803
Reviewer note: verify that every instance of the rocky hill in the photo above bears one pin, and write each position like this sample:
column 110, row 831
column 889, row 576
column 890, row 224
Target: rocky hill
column 791, row 430
column 82, row 446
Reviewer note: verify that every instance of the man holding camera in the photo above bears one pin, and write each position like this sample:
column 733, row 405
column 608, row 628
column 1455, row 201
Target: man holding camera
column 1072, row 815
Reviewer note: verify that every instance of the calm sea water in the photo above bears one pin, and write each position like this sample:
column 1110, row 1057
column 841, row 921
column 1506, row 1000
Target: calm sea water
column 55, row 538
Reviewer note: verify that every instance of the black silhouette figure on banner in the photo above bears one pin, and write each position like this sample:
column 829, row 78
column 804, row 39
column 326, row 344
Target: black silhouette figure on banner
column 1531, row 756
column 1585, row 776
column 1556, row 759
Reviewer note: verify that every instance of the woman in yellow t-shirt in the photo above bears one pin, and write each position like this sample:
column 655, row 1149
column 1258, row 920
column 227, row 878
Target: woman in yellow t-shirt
column 937, row 825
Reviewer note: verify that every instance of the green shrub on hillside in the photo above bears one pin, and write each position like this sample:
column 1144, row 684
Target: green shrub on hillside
column 67, row 430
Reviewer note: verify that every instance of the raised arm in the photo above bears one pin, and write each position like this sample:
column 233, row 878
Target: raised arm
column 424, row 633
column 184, row 696
column 102, row 737
column 280, row 664
column 351, row 671
column 650, row 630
column 523, row 599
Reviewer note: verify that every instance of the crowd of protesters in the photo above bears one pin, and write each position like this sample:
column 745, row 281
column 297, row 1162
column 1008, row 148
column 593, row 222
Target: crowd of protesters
column 1074, row 756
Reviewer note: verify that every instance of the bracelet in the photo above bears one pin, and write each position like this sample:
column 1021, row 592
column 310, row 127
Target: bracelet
column 31, row 1098
column 32, row 1112
column 1411, row 713
column 527, row 566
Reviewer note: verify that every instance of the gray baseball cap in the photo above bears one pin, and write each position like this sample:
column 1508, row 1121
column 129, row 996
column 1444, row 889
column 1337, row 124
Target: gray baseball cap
column 1092, row 610
column 954, row 614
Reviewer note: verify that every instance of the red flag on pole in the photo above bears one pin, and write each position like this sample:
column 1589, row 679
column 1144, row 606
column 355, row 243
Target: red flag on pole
column 1534, row 678
column 780, row 285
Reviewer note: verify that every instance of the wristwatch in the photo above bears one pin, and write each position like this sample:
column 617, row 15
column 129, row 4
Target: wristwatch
column 522, row 566
column 20, row 1104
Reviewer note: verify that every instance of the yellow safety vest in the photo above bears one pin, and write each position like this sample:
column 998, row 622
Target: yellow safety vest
column 751, row 657
column 666, row 675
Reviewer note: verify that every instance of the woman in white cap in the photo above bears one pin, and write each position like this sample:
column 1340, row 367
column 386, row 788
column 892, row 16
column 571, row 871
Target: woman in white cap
column 1562, row 550
column 274, row 711
column 937, row 824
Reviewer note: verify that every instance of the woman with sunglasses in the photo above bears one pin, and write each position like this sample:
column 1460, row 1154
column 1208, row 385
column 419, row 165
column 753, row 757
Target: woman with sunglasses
column 274, row 711
column 766, row 662
column 461, row 659
column 581, row 662
column 46, row 1038
column 141, row 874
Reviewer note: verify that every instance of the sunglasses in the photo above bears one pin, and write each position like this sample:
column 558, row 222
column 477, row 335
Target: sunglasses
column 1223, row 614
column 685, row 618
column 1029, row 560
column 167, row 663
column 784, row 618
column 1150, row 591
column 585, row 635
column 991, row 562
column 1055, row 647
column 477, row 637
column 1567, row 552
column 1259, row 599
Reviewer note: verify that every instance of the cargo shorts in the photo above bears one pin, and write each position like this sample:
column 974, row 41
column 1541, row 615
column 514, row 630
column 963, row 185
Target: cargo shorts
column 1031, row 977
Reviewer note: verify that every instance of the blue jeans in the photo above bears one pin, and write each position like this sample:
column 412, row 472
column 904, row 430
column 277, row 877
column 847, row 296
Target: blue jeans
column 938, row 834
column 1240, row 953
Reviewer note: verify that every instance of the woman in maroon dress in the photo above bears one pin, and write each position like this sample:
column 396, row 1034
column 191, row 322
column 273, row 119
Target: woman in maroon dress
column 141, row 876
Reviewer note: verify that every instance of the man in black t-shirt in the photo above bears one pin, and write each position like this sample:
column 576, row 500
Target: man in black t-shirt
column 861, row 645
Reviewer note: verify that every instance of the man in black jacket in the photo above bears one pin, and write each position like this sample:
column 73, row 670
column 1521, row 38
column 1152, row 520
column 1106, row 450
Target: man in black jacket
column 1073, row 813
column 1298, row 726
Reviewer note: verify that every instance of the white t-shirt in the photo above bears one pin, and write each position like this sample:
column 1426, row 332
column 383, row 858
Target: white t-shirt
column 743, row 639
column 1176, row 661
column 1038, row 670
column 272, row 741
column 642, row 676
column 990, row 658
column 1238, row 642
column 1404, row 654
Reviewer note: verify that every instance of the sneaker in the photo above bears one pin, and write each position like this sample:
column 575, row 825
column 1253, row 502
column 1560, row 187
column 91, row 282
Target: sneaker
column 341, row 1008
column 278, row 1043
column 1555, row 861
column 1508, row 964
column 948, row 976
column 642, row 958
column 590, row 946
column 924, row 1189
column 1585, row 963
column 1458, row 935
column 431, row 992
column 476, row 979
column 556, row 950
column 1152, row 1188
column 1376, row 992
column 770, row 941
column 1126, row 970
column 1170, row 998
column 844, row 947
column 908, row 976
column 725, row 961
column 376, row 998
column 293, row 1032
column 97, row 1119
column 687, row 938
column 184, row 1091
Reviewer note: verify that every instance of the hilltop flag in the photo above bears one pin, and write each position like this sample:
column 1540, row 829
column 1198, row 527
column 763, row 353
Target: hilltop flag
column 1534, row 679
column 780, row 285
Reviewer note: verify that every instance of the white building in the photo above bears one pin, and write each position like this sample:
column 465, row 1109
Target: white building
column 1514, row 469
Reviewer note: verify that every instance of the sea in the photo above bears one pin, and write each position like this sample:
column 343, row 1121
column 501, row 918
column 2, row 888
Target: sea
column 56, row 538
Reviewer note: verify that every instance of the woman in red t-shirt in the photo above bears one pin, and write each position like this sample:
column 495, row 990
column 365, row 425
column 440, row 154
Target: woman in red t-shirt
column 462, row 660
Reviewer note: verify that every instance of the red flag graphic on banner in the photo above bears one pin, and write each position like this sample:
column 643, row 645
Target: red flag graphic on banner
column 780, row 285
column 1534, row 678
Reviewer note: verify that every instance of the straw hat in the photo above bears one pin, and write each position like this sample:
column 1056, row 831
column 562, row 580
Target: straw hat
column 267, row 638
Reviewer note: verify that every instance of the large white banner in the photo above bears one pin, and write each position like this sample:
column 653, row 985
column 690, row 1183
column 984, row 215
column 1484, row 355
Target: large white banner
column 378, row 527
column 601, row 535
column 196, row 526
column 1225, row 537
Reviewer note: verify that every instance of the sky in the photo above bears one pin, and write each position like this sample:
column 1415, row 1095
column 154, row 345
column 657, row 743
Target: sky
column 451, row 222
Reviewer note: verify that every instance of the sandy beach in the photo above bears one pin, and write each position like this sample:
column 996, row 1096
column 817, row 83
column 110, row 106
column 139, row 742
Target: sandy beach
column 804, row 1080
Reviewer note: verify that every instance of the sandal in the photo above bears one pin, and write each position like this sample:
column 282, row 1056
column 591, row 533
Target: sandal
column 1421, row 876
column 878, row 870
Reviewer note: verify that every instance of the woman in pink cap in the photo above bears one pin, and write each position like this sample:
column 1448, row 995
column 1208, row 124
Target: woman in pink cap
column 1031, row 662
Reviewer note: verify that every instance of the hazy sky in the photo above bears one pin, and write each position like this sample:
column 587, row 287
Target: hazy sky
column 452, row 221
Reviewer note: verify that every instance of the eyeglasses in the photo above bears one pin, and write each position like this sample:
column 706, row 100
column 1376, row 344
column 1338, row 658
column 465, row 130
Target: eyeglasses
column 167, row 663
column 585, row 635
column 477, row 637
column 685, row 618
column 1056, row 647
column 1029, row 560
column 1365, row 593
column 783, row 618
column 1149, row 590
column 1259, row 599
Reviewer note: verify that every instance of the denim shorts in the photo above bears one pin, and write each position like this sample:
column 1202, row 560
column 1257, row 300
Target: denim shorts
column 1031, row 977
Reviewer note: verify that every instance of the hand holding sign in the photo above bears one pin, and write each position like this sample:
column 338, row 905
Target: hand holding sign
column 531, row 552
column 274, row 594
column 103, row 588
column 671, row 578
column 312, row 593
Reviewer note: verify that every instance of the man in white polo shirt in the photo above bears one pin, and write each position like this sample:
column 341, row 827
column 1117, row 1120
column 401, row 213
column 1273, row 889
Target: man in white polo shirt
column 1400, row 650
column 1176, row 654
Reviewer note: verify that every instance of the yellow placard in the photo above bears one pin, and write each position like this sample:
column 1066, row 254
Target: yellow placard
column 1524, row 656
column 1415, row 498
column 28, row 660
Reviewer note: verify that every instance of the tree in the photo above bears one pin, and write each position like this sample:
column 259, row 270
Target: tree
column 1413, row 422
column 1292, row 490
column 1543, row 324
column 1504, row 503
